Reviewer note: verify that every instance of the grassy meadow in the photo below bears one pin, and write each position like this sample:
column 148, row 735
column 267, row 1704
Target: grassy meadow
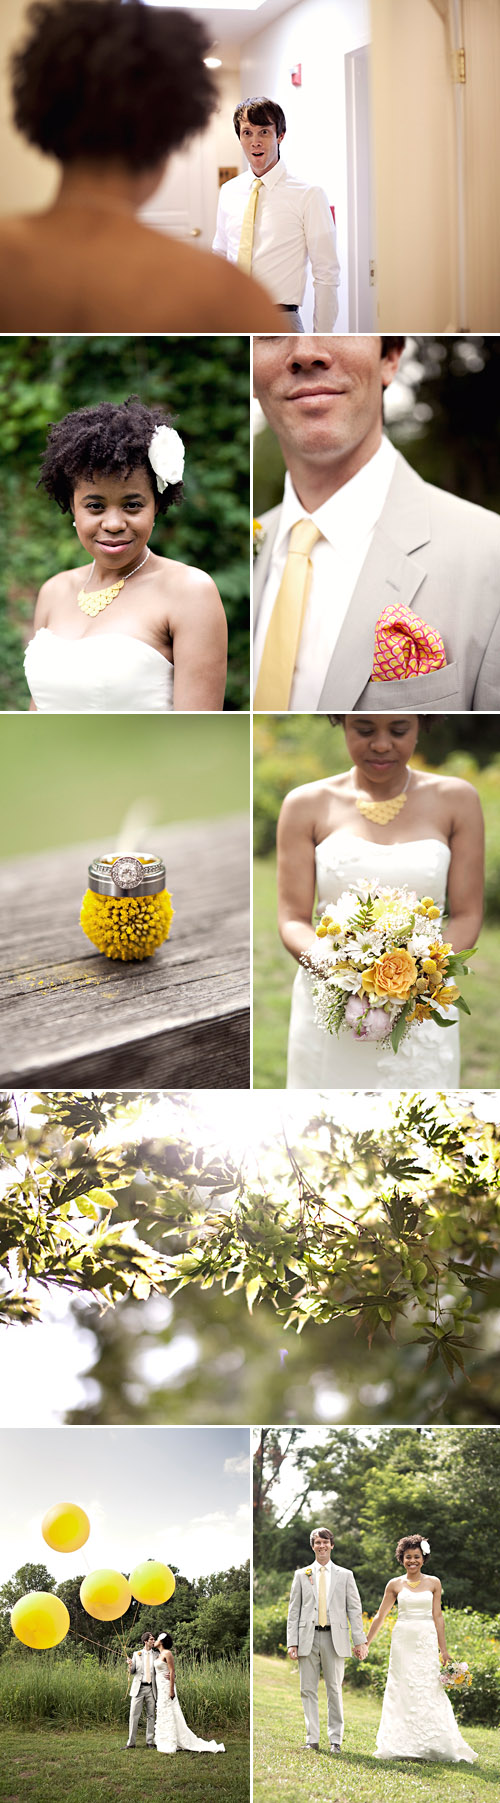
column 283, row 1769
column 54, row 1766
column 40, row 1689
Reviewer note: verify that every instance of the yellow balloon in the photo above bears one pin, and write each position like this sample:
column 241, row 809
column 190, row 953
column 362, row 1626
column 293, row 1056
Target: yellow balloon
column 152, row 1582
column 105, row 1595
column 39, row 1619
column 66, row 1527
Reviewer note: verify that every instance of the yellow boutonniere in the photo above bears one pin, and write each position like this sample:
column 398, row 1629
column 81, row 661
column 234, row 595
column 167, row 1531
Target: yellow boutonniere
column 258, row 537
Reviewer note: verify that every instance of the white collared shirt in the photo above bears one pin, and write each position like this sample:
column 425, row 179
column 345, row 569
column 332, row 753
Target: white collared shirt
column 293, row 224
column 347, row 522
column 328, row 1570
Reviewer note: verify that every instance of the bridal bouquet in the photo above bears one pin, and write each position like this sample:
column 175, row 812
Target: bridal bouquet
column 381, row 964
column 456, row 1673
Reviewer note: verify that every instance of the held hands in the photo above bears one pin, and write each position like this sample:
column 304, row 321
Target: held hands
column 361, row 1652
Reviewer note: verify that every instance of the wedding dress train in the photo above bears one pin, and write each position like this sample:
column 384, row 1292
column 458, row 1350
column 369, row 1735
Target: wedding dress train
column 429, row 1056
column 417, row 1719
column 172, row 1734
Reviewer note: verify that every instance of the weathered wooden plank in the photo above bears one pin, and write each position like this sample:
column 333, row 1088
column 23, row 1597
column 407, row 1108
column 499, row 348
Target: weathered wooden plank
column 70, row 1016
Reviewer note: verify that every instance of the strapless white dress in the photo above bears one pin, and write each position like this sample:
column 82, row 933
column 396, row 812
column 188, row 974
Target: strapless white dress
column 429, row 1057
column 172, row 1734
column 110, row 673
column 417, row 1720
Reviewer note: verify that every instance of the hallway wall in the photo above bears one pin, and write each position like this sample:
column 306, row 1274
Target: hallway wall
column 27, row 180
column 318, row 34
column 482, row 163
column 414, row 149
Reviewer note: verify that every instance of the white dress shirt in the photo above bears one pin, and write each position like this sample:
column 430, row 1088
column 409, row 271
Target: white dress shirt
column 293, row 224
column 347, row 522
column 328, row 1571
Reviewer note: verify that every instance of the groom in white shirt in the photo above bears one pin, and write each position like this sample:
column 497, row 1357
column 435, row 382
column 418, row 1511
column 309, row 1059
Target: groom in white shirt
column 143, row 1690
column 324, row 1602
column 271, row 224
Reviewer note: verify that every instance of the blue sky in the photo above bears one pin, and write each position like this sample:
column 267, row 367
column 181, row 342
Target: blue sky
column 176, row 1494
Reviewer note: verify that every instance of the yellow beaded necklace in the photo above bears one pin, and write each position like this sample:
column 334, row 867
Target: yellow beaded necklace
column 381, row 811
column 94, row 603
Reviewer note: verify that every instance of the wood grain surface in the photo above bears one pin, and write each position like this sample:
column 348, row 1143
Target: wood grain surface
column 71, row 1016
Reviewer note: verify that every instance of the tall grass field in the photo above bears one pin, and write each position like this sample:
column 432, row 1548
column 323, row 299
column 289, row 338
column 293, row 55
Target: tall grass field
column 40, row 1689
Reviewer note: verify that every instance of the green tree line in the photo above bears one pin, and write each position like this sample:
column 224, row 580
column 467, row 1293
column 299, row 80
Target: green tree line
column 208, row 1617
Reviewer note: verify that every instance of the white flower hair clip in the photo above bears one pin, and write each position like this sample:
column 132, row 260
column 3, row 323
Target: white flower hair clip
column 425, row 1548
column 166, row 455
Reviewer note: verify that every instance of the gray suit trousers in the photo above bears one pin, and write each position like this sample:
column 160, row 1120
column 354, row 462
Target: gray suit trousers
column 322, row 1658
column 145, row 1696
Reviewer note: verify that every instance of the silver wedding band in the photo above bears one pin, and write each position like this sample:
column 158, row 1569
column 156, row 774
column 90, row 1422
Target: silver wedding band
column 126, row 875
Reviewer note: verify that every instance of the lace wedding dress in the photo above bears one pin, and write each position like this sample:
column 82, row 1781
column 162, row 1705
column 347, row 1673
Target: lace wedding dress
column 172, row 1734
column 429, row 1057
column 417, row 1719
column 107, row 673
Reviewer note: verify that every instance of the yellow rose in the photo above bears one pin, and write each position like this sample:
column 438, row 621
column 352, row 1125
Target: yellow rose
column 393, row 975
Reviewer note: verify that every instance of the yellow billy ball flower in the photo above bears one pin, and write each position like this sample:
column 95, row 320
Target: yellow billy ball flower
column 128, row 928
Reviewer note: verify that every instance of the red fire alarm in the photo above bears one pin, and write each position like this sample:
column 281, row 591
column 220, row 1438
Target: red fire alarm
column 296, row 74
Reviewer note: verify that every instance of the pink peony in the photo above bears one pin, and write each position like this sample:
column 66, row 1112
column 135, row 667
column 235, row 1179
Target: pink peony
column 357, row 1006
column 376, row 1025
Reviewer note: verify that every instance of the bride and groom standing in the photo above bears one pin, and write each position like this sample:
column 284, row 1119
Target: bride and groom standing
column 153, row 1687
column 417, row 1718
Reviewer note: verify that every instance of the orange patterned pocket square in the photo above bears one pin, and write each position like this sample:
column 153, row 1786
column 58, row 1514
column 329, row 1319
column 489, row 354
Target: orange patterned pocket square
column 405, row 646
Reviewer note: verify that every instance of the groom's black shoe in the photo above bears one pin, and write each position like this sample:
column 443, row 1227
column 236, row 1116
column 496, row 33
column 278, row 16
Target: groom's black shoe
column 335, row 1746
column 130, row 1746
column 313, row 1748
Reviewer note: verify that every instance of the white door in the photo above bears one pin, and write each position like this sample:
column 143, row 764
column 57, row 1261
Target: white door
column 185, row 204
column 360, row 202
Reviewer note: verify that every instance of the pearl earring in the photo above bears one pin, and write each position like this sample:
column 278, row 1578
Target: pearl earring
column 74, row 523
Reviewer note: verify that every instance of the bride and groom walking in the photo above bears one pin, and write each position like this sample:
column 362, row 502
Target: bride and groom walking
column 417, row 1719
column 153, row 1688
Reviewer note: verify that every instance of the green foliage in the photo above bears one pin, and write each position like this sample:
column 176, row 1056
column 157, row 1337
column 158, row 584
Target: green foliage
column 204, row 382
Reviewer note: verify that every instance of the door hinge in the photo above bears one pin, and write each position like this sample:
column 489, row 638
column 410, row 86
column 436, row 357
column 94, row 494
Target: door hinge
column 458, row 65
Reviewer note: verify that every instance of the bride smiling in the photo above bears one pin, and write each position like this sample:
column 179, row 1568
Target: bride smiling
column 384, row 822
column 132, row 632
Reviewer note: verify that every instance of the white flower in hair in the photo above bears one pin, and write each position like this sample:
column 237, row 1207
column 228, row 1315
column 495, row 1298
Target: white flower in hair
column 425, row 1548
column 166, row 455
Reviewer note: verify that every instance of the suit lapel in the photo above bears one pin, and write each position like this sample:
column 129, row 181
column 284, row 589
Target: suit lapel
column 390, row 573
column 262, row 561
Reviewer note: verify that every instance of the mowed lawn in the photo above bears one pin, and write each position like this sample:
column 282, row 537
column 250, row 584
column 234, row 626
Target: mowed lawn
column 282, row 1768
column 274, row 971
column 53, row 1767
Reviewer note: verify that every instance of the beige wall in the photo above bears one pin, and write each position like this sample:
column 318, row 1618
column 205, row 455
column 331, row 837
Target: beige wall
column 27, row 180
column 413, row 118
column 481, row 27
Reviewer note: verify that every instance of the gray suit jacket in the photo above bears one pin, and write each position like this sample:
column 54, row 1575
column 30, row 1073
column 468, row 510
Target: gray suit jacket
column 441, row 557
column 345, row 1608
column 138, row 1674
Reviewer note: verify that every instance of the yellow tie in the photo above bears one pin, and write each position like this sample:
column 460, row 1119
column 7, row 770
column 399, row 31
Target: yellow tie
column 244, row 258
column 283, row 635
column 322, row 1598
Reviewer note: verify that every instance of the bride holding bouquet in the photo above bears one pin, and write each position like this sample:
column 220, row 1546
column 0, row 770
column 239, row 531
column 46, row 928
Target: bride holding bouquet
column 378, row 826
column 417, row 1719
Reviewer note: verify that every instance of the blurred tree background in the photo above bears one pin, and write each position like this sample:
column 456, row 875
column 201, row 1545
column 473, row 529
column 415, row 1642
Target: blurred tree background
column 301, row 748
column 197, row 1354
column 442, row 412
column 204, row 382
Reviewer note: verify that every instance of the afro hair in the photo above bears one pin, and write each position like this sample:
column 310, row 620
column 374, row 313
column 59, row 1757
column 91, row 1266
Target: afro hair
column 96, row 79
column 408, row 1541
column 114, row 439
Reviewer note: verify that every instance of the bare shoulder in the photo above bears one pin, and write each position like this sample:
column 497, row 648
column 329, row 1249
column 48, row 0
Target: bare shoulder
column 393, row 1587
column 435, row 1583
column 300, row 806
column 454, row 790
column 191, row 594
column 52, row 590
